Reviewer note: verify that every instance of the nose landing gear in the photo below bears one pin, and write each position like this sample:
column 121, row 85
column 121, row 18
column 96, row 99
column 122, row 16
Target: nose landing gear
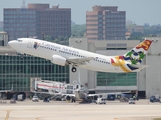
column 74, row 69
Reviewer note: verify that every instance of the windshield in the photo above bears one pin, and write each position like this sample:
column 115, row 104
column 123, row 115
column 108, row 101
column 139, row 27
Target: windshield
column 19, row 40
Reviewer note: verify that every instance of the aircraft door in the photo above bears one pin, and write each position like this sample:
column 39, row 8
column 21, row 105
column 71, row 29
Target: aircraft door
column 30, row 45
column 116, row 67
column 20, row 44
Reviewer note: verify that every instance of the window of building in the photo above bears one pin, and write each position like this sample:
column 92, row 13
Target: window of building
column 116, row 79
column 21, row 69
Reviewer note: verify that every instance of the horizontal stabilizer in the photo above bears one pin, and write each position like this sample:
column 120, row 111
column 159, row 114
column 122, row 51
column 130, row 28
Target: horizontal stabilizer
column 136, row 68
column 140, row 66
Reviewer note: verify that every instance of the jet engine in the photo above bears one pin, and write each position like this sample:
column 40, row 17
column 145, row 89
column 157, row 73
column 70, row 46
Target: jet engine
column 68, row 98
column 56, row 59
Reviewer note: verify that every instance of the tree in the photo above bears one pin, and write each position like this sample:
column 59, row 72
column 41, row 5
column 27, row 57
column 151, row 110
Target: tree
column 48, row 38
column 62, row 40
column 153, row 30
column 136, row 36
column 78, row 30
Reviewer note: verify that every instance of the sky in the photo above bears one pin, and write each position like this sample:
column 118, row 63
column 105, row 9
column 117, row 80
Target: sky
column 138, row 11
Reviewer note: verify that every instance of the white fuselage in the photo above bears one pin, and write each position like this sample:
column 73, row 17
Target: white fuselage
column 46, row 50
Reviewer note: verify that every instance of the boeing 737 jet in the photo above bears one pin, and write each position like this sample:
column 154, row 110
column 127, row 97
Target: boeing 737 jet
column 64, row 55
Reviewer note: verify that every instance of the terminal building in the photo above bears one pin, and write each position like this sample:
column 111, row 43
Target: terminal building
column 17, row 70
column 145, row 83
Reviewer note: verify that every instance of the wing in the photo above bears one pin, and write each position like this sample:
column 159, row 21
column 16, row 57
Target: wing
column 7, row 90
column 4, row 91
column 71, row 95
column 92, row 95
column 79, row 61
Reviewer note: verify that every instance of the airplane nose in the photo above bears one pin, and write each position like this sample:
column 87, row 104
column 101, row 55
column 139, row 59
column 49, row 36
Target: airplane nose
column 11, row 43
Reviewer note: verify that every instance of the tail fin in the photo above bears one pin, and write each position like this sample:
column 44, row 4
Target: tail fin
column 136, row 55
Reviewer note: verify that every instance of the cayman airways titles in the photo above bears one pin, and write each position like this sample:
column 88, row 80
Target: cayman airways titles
column 65, row 49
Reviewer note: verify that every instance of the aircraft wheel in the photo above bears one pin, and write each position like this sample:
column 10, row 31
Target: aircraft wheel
column 74, row 69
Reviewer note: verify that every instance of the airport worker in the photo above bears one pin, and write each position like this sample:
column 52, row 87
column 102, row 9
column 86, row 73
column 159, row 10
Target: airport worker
column 134, row 97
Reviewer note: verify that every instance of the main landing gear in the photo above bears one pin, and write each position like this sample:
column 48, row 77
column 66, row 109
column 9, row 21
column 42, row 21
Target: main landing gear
column 74, row 69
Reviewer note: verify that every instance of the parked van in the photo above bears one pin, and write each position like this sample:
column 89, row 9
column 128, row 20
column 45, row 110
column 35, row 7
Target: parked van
column 111, row 97
column 20, row 97
column 101, row 101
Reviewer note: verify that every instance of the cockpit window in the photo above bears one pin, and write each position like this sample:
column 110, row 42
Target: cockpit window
column 19, row 40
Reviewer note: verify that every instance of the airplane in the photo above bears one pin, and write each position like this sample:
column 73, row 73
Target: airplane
column 64, row 55
column 5, row 91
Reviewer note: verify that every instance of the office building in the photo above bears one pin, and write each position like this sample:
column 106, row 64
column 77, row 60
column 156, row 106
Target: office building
column 37, row 20
column 1, row 25
column 105, row 23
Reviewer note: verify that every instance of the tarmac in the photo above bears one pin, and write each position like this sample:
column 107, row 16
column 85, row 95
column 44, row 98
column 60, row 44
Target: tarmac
column 62, row 110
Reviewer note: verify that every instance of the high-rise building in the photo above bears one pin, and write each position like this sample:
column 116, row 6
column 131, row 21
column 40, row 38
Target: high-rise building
column 37, row 20
column 1, row 25
column 105, row 23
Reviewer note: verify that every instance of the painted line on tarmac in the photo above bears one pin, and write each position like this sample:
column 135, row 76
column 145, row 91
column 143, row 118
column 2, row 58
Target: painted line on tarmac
column 7, row 115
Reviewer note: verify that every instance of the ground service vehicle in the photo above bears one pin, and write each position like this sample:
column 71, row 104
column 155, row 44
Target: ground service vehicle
column 12, row 100
column 101, row 101
column 131, row 101
column 20, row 97
column 155, row 98
column 46, row 99
column 111, row 97
column 35, row 99
column 124, row 99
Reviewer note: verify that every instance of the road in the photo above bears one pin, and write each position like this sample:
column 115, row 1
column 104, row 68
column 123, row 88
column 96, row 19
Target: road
column 61, row 110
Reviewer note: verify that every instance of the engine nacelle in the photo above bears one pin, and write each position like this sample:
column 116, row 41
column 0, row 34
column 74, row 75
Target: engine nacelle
column 56, row 59
column 68, row 98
